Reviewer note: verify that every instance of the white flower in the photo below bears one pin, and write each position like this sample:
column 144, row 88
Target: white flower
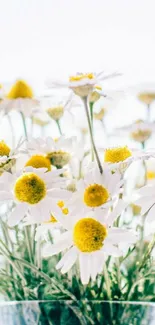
column 8, row 156
column 58, row 151
column 139, row 131
column 119, row 158
column 89, row 239
column 56, row 108
column 34, row 191
column 146, row 201
column 95, row 190
column 20, row 98
column 82, row 84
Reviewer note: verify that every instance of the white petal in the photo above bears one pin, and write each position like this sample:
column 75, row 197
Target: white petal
column 96, row 259
column 5, row 196
column 64, row 243
column 119, row 208
column 84, row 261
column 151, row 214
column 117, row 235
column 68, row 260
column 59, row 194
column 17, row 214
column 112, row 250
column 145, row 204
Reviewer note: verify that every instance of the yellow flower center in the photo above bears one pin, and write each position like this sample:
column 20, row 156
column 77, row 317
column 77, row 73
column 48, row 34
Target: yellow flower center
column 89, row 235
column 38, row 161
column 147, row 98
column 4, row 149
column 115, row 155
column 56, row 112
column 59, row 158
column 82, row 76
column 20, row 90
column 30, row 188
column 95, row 195
column 150, row 174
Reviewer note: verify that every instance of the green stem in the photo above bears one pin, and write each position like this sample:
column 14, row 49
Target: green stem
column 24, row 125
column 12, row 130
column 92, row 124
column 59, row 126
column 91, row 135
column 148, row 253
column 28, row 243
column 108, row 286
column 11, row 262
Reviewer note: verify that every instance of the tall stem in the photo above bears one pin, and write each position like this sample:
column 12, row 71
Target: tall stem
column 148, row 113
column 91, row 135
column 12, row 130
column 28, row 243
column 92, row 126
column 59, row 126
column 24, row 125
column 108, row 285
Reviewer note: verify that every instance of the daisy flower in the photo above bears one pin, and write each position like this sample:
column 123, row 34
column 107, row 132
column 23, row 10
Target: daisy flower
column 119, row 158
column 82, row 84
column 146, row 97
column 58, row 151
column 57, row 109
column 89, row 239
column 21, row 98
column 95, row 190
column 33, row 191
column 8, row 156
column 140, row 131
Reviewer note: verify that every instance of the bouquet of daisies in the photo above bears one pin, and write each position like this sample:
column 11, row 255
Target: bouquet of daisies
column 75, row 215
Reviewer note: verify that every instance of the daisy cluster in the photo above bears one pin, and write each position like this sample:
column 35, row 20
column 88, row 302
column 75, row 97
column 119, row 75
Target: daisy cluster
column 39, row 184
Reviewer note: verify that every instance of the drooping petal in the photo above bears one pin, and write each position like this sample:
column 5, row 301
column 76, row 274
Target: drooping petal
column 68, row 261
column 84, row 261
column 61, row 245
column 17, row 214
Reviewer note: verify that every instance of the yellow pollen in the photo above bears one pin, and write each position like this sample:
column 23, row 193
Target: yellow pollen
column 82, row 76
column 95, row 195
column 115, row 155
column 89, row 235
column 60, row 204
column 38, row 161
column 4, row 149
column 20, row 90
column 29, row 188
column 150, row 174
column 59, row 158
column 65, row 211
